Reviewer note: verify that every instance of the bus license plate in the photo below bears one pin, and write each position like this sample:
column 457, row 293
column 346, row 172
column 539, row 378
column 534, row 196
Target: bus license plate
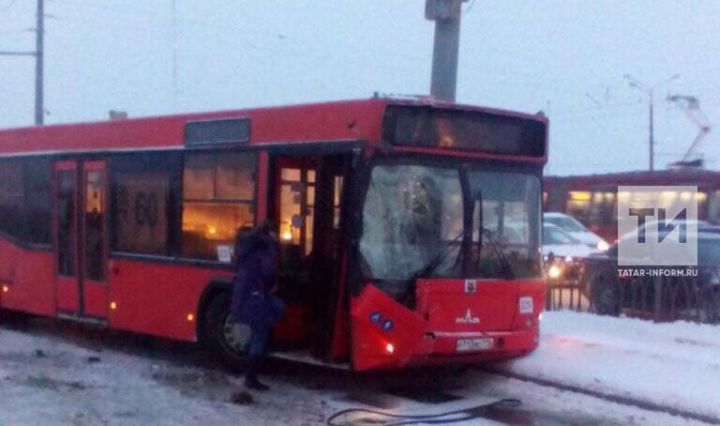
column 468, row 345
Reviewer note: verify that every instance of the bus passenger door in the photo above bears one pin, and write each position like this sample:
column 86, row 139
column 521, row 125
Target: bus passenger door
column 308, row 193
column 294, row 188
column 80, row 235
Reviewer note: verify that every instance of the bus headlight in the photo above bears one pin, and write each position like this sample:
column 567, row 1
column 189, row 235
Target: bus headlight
column 602, row 245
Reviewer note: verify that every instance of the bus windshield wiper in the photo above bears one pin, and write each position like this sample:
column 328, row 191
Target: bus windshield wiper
column 436, row 261
column 505, row 265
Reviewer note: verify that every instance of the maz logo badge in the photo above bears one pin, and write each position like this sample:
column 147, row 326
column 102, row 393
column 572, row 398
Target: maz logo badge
column 470, row 286
column 467, row 319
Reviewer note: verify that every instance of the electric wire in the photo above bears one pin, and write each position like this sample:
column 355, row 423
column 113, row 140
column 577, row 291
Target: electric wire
column 365, row 416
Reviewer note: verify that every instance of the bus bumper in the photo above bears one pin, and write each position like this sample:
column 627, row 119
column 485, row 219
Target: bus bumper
column 387, row 335
column 501, row 345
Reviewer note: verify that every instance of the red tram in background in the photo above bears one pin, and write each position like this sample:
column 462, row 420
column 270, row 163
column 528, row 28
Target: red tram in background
column 410, row 230
column 592, row 199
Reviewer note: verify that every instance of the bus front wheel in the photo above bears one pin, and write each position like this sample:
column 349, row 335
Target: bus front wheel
column 230, row 345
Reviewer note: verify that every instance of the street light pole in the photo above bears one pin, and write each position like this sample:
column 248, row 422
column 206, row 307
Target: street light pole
column 39, row 66
column 650, row 92
column 446, row 14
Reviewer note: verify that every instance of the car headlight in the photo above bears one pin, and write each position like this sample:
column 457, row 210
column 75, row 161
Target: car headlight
column 554, row 271
column 602, row 245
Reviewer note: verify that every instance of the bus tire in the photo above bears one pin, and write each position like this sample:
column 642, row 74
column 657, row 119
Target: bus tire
column 218, row 334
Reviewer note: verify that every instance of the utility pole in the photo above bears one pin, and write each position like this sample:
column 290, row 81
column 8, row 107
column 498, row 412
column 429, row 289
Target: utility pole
column 174, row 56
column 38, row 54
column 650, row 92
column 39, row 70
column 446, row 14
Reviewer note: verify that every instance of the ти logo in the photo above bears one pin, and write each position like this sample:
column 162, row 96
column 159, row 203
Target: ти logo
column 657, row 225
column 664, row 227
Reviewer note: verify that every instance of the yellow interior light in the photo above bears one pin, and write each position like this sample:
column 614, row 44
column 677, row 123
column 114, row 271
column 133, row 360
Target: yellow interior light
column 580, row 195
column 285, row 231
column 447, row 142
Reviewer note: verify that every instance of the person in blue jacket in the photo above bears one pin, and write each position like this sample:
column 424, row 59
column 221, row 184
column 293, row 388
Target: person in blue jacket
column 253, row 302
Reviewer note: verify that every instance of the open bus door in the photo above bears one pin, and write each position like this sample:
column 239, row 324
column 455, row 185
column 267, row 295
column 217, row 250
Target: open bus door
column 80, row 204
column 307, row 210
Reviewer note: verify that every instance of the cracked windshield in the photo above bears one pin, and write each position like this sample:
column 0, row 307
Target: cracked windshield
column 414, row 219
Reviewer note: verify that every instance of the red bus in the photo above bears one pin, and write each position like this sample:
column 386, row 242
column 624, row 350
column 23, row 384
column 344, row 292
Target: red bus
column 409, row 230
column 592, row 199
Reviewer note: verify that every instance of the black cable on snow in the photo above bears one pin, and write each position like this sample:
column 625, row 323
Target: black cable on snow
column 364, row 416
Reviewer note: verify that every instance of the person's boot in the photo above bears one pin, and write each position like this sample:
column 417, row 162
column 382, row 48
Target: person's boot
column 251, row 378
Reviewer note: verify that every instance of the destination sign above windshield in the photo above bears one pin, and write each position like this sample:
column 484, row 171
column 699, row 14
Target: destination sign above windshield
column 480, row 131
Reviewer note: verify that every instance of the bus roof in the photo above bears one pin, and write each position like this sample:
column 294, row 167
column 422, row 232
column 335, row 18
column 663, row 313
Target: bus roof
column 320, row 122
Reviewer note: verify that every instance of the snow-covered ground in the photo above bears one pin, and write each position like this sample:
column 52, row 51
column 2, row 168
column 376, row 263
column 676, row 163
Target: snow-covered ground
column 45, row 380
column 674, row 364
column 50, row 377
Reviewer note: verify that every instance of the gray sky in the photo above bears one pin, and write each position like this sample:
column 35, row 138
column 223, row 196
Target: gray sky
column 561, row 56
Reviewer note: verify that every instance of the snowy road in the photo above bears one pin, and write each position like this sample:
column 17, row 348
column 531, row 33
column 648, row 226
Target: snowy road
column 673, row 365
column 51, row 376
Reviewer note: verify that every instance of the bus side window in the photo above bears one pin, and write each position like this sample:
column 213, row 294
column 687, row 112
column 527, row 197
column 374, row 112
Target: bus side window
column 66, row 228
column 297, row 207
column 25, row 199
column 218, row 198
column 141, row 203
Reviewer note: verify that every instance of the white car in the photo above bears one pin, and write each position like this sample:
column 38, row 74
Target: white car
column 576, row 229
column 561, row 244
